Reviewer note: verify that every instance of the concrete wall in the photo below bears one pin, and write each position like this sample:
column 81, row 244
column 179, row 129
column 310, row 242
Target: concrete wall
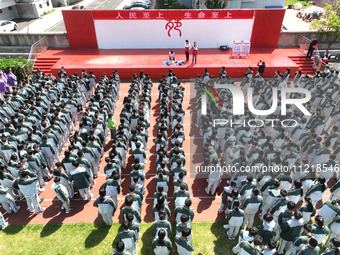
column 8, row 14
column 34, row 10
column 55, row 40
column 290, row 39
column 56, row 3
column 6, row 3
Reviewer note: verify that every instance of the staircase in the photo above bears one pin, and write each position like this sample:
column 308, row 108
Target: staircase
column 306, row 65
column 45, row 64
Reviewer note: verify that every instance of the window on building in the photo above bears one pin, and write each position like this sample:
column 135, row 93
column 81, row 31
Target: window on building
column 10, row 8
column 47, row 3
column 40, row 6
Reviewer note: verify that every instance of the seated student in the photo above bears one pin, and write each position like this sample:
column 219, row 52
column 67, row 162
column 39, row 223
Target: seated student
column 311, row 248
column 133, row 225
column 182, row 225
column 270, row 248
column 301, row 241
column 161, row 206
column 180, row 210
column 129, row 238
column 120, row 249
column 181, row 195
column 161, row 224
column 161, row 245
column 160, row 192
column 184, row 246
column 179, row 182
column 137, row 202
column 129, row 209
column 249, row 248
column 247, row 235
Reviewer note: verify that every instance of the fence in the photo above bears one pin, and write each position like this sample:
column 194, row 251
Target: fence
column 303, row 43
column 36, row 49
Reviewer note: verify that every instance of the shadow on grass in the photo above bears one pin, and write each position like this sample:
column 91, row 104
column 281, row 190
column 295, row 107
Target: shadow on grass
column 116, row 238
column 14, row 229
column 49, row 229
column 146, row 240
column 97, row 235
column 222, row 245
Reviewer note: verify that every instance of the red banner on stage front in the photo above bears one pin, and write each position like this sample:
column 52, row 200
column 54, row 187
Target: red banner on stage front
column 172, row 14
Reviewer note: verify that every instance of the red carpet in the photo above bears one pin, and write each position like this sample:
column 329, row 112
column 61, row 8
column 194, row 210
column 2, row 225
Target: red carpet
column 132, row 61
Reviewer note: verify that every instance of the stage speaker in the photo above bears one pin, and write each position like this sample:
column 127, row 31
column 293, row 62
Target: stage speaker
column 224, row 47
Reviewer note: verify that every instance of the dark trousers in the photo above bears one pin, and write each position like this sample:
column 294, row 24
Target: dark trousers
column 310, row 52
column 113, row 134
column 187, row 56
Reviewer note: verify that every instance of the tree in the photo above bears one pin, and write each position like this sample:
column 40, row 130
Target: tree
column 215, row 4
column 329, row 22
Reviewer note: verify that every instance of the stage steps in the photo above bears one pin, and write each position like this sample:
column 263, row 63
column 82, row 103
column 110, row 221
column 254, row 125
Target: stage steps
column 45, row 64
column 306, row 65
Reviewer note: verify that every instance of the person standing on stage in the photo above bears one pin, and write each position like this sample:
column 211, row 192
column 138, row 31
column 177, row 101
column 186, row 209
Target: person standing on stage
column 187, row 47
column 262, row 66
column 194, row 53
column 313, row 45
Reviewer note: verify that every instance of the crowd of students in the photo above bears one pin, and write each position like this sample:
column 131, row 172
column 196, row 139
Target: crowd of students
column 46, row 116
column 285, row 201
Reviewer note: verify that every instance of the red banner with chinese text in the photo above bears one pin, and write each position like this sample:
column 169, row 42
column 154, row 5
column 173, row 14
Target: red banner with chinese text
column 171, row 14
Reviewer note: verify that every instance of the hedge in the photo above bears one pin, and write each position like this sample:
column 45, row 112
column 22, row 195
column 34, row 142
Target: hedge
column 16, row 64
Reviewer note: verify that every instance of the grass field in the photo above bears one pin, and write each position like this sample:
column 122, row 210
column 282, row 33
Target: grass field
column 86, row 238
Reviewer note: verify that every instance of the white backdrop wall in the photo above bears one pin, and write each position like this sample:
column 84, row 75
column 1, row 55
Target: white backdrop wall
column 208, row 33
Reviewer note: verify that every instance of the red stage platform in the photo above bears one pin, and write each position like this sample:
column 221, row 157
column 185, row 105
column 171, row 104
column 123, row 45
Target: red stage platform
column 132, row 61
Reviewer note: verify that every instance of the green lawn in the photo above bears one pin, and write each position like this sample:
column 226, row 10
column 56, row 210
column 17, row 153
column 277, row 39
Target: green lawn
column 86, row 238
column 305, row 4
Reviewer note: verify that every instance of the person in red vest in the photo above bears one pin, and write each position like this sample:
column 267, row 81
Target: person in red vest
column 194, row 53
column 187, row 47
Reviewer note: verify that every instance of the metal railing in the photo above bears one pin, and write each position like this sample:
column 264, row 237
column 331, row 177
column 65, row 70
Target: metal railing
column 37, row 48
column 303, row 43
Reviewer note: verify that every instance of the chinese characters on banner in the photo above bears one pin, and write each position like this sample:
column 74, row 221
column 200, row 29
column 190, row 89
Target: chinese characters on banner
column 173, row 18
column 172, row 14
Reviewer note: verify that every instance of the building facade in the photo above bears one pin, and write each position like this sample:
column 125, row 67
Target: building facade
column 26, row 9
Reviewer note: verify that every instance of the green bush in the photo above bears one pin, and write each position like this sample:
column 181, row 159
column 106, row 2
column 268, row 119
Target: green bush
column 16, row 64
